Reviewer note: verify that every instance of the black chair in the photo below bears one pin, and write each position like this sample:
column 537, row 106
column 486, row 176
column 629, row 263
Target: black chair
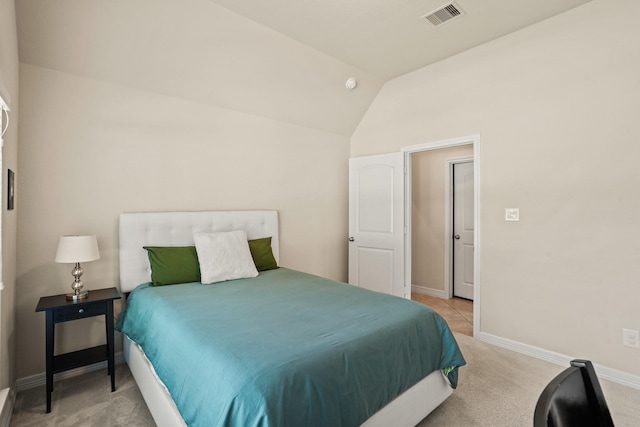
column 573, row 399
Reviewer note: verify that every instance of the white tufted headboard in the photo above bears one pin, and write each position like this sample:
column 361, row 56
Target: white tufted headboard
column 176, row 229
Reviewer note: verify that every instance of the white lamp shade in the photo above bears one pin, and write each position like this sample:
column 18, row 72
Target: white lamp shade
column 72, row 249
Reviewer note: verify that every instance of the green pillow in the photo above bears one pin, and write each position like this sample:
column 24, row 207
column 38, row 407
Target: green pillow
column 171, row 265
column 262, row 255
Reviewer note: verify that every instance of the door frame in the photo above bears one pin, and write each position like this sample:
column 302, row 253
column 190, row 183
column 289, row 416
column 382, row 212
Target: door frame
column 473, row 140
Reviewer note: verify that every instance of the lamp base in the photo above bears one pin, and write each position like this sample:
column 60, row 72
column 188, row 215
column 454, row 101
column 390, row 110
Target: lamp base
column 74, row 297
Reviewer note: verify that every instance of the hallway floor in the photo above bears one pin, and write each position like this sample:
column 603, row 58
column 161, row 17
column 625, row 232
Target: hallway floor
column 458, row 312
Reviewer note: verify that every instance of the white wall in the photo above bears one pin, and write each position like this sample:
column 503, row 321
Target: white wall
column 557, row 106
column 90, row 150
column 9, row 90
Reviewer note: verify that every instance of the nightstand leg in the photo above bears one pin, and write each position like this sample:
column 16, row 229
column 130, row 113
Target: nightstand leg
column 110, row 345
column 50, row 332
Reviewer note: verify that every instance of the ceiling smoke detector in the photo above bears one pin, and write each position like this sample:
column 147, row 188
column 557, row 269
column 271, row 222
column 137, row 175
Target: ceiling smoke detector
column 443, row 14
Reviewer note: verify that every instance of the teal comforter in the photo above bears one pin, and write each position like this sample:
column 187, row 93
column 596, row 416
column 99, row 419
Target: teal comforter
column 285, row 349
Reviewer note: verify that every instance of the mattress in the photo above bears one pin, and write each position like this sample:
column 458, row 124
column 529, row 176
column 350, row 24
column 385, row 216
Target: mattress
column 285, row 348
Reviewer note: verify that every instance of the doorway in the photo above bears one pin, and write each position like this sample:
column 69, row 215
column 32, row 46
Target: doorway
column 429, row 269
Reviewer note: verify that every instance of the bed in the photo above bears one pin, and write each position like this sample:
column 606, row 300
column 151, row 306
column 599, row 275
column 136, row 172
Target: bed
column 296, row 349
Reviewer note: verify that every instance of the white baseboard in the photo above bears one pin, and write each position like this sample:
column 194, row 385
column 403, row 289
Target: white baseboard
column 429, row 291
column 614, row 375
column 7, row 400
column 41, row 378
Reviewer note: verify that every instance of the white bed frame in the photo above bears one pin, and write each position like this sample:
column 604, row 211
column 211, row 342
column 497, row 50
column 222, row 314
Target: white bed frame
column 176, row 229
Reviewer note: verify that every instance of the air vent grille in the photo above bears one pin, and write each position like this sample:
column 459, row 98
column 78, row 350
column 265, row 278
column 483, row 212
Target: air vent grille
column 444, row 14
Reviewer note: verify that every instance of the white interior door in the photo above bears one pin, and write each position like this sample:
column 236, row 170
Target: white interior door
column 376, row 223
column 463, row 230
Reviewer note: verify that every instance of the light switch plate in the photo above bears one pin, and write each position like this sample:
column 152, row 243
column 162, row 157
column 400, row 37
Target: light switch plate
column 512, row 214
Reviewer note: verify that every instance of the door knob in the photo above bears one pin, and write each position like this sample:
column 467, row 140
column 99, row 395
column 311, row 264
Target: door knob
column 457, row 237
column 351, row 239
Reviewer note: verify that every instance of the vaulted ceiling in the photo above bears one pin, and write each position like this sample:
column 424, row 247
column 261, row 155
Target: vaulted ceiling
column 285, row 60
column 388, row 38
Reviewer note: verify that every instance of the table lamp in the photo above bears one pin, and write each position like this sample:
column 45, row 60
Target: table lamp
column 77, row 249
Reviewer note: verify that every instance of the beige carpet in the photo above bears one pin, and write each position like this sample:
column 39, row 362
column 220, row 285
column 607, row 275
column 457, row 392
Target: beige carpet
column 85, row 401
column 497, row 388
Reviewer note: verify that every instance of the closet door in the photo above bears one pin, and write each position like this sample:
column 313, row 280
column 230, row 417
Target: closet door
column 463, row 230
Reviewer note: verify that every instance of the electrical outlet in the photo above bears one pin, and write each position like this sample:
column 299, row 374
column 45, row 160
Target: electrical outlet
column 630, row 338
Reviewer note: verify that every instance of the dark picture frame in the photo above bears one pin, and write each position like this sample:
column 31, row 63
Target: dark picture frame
column 11, row 177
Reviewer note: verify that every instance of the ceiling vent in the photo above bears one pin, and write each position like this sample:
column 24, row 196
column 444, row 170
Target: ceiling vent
column 443, row 14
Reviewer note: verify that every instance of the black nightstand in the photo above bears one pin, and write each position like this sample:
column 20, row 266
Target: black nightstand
column 58, row 309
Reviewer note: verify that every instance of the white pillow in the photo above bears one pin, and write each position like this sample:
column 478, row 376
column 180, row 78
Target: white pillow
column 224, row 256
